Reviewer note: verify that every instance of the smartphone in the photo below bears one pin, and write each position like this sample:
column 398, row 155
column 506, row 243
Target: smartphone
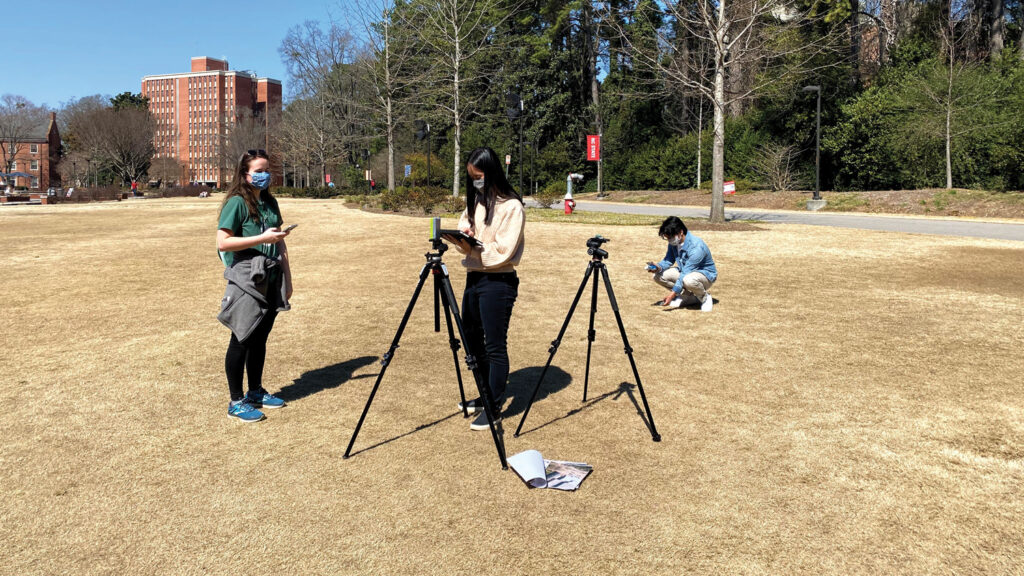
column 290, row 228
column 651, row 266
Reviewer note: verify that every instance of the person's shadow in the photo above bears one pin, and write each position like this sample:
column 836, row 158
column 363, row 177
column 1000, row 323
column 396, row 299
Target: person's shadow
column 325, row 378
column 522, row 382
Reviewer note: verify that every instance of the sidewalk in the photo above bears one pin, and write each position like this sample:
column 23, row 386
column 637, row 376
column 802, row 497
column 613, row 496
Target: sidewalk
column 940, row 225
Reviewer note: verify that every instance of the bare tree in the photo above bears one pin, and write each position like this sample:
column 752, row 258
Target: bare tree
column 308, row 131
column 19, row 119
column 247, row 132
column 389, row 64
column 458, row 34
column 776, row 165
column 754, row 36
column 166, row 170
column 325, row 117
column 119, row 139
column 127, row 142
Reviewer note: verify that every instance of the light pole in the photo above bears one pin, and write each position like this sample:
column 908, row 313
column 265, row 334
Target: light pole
column 515, row 112
column 817, row 144
column 423, row 133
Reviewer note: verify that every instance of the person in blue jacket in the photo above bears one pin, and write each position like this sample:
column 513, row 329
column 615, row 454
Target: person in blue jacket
column 687, row 269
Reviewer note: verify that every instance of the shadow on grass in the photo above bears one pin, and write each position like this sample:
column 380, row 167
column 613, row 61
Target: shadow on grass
column 409, row 433
column 520, row 386
column 324, row 378
column 626, row 388
column 522, row 382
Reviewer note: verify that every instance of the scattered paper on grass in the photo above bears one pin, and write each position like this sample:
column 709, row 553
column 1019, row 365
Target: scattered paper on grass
column 540, row 473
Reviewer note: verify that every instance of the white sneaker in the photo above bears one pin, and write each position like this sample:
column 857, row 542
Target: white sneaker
column 708, row 302
column 676, row 303
column 473, row 406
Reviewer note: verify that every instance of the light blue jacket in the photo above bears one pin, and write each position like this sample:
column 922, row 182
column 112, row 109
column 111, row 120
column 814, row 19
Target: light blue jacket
column 692, row 256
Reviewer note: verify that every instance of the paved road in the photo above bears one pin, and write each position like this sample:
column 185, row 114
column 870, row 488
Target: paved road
column 913, row 225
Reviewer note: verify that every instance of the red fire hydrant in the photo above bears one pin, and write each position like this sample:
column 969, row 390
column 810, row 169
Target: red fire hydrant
column 570, row 204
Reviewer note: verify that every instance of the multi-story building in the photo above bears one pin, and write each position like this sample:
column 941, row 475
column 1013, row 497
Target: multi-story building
column 36, row 154
column 196, row 112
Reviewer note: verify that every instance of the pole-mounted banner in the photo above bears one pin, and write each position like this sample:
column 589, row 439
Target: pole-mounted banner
column 593, row 147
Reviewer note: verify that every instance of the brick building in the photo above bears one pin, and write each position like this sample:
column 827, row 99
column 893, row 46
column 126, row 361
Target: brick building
column 37, row 155
column 196, row 111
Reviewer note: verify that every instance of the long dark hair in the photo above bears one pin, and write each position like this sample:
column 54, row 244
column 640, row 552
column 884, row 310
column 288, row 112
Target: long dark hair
column 495, row 184
column 241, row 187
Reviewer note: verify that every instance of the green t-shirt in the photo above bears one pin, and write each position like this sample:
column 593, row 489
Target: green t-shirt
column 235, row 217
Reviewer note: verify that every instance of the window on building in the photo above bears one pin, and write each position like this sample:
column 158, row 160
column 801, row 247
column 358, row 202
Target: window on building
column 14, row 166
column 35, row 183
column 34, row 148
column 35, row 165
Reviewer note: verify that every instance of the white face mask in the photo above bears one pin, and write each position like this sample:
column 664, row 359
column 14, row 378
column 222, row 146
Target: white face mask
column 676, row 241
column 478, row 184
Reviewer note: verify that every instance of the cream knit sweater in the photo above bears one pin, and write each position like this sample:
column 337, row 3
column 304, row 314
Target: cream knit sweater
column 502, row 241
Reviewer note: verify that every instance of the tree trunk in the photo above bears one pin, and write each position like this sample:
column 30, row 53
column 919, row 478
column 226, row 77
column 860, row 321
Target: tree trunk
column 391, row 148
column 456, row 143
column 700, row 136
column 997, row 29
column 718, row 151
column 949, row 158
column 889, row 32
column 855, row 42
column 949, row 123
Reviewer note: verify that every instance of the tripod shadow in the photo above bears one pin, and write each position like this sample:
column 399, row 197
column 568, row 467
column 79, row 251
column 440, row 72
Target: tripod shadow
column 409, row 433
column 626, row 388
column 324, row 378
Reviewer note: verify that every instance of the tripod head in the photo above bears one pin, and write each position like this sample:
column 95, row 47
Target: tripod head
column 438, row 248
column 594, row 247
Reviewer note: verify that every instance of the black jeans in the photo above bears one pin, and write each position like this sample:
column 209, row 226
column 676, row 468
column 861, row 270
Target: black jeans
column 486, row 309
column 248, row 357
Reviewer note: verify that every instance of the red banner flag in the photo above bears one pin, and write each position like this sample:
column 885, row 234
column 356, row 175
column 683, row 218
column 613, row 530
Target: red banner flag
column 593, row 147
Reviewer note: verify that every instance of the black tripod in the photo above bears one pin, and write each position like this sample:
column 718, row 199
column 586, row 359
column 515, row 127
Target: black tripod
column 596, row 263
column 444, row 295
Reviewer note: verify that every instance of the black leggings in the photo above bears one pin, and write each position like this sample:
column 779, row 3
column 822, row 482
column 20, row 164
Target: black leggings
column 486, row 309
column 248, row 356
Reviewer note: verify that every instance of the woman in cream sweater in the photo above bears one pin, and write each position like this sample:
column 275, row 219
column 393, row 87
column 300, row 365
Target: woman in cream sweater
column 494, row 216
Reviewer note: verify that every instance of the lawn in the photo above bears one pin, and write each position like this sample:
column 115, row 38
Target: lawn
column 853, row 404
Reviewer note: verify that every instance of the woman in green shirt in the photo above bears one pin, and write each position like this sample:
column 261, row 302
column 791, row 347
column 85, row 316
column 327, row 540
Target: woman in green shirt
column 250, row 224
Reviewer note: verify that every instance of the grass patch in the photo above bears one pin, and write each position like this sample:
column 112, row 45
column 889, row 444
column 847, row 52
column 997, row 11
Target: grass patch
column 637, row 199
column 602, row 218
column 842, row 202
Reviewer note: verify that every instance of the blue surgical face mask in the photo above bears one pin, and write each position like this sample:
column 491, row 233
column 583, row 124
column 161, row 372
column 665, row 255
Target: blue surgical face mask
column 260, row 180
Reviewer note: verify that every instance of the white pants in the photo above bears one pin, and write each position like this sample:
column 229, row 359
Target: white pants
column 695, row 284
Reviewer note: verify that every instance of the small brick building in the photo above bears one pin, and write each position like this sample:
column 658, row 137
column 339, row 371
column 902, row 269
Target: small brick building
column 37, row 155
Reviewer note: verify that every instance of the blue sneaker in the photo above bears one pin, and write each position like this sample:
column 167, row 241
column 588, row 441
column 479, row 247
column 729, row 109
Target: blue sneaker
column 263, row 399
column 244, row 411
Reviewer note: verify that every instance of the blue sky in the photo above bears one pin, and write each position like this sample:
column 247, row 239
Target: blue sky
column 107, row 46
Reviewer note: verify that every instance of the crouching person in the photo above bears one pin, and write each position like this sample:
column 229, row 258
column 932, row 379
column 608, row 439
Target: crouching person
column 687, row 270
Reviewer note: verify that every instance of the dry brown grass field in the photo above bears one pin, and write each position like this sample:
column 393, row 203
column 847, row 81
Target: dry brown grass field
column 854, row 404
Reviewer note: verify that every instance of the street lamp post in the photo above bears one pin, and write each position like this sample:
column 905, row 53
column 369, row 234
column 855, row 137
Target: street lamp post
column 515, row 112
column 817, row 144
